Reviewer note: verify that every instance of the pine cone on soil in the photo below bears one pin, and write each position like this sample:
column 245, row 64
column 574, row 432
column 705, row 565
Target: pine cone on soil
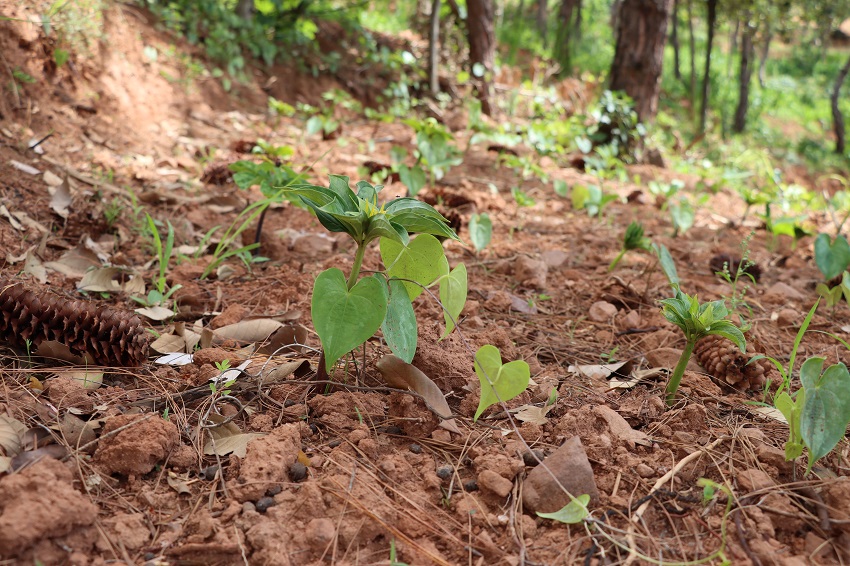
column 110, row 337
column 724, row 361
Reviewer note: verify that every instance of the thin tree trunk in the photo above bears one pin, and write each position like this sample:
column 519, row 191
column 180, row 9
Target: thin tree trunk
column 543, row 21
column 706, row 80
column 693, row 49
column 744, row 76
column 674, row 40
column 565, row 36
column 765, row 49
column 639, row 55
column 245, row 9
column 482, row 47
column 733, row 47
column 837, row 118
column 434, row 48
column 577, row 25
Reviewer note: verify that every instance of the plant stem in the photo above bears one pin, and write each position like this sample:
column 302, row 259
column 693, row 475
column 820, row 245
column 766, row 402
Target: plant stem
column 617, row 259
column 679, row 371
column 358, row 262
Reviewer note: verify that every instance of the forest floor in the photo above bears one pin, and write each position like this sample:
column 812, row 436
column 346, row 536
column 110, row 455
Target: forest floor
column 361, row 475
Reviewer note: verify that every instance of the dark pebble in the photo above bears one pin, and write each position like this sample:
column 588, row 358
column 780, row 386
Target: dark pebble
column 415, row 448
column 394, row 430
column 334, row 443
column 298, row 472
column 445, row 472
column 470, row 485
column 528, row 457
column 149, row 556
column 209, row 472
column 289, row 403
column 274, row 490
column 314, row 429
column 264, row 503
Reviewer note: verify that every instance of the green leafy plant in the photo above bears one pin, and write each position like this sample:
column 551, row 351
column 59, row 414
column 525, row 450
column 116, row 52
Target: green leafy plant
column 434, row 151
column 161, row 293
column 225, row 248
column 737, row 281
column 820, row 413
column 696, row 321
column 633, row 239
column 499, row 382
column 590, row 198
column 616, row 123
column 832, row 257
column 668, row 266
column 348, row 311
column 480, row 230
column 682, row 214
column 521, row 198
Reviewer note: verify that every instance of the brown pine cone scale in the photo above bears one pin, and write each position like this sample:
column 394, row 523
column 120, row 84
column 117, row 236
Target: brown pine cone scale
column 108, row 336
column 724, row 361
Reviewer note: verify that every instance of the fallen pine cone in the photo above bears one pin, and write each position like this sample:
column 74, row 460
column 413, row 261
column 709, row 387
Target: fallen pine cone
column 108, row 336
column 723, row 360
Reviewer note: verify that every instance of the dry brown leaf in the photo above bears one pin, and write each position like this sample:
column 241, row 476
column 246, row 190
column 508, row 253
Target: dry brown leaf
column 299, row 368
column 168, row 344
column 25, row 459
column 11, row 436
column 88, row 379
column 291, row 335
column 178, row 483
column 60, row 200
column 52, row 350
column 78, row 432
column 100, row 280
column 257, row 330
column 75, row 262
column 157, row 313
column 402, row 375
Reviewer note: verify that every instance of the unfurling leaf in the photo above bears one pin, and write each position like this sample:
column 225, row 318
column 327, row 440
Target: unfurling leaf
column 498, row 382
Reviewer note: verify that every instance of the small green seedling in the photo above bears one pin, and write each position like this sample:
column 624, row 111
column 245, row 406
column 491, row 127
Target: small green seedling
column 480, row 230
column 668, row 266
column 832, row 257
column 696, row 321
column 572, row 513
column 633, row 239
column 348, row 311
column 161, row 293
column 590, row 198
column 499, row 382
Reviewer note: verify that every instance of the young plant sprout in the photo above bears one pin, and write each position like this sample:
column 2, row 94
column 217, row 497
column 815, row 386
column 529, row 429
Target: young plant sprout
column 632, row 240
column 697, row 321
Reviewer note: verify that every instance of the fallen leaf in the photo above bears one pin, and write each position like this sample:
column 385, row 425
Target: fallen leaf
column 256, row 330
column 636, row 377
column 85, row 377
column 225, row 444
column 11, row 436
column 75, row 262
column 4, row 212
column 533, row 414
column 402, row 375
column 285, row 340
column 600, row 371
column 100, row 280
column 25, row 459
column 60, row 200
column 299, row 368
column 178, row 483
column 174, row 358
column 24, row 168
column 168, row 344
column 52, row 350
column 156, row 313
column 771, row 413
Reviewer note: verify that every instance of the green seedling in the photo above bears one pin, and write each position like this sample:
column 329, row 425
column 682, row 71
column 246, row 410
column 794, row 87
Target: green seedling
column 434, row 151
column 820, row 413
column 161, row 293
column 832, row 257
column 521, row 198
column 224, row 250
column 696, row 322
column 633, row 239
column 499, row 382
column 787, row 373
column 480, row 230
column 590, row 198
column 668, row 266
column 348, row 311
column 682, row 214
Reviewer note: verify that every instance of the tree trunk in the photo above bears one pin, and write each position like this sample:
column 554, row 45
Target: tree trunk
column 744, row 76
column 733, row 47
column 434, row 48
column 693, row 48
column 577, row 25
column 837, row 118
column 566, row 35
column 482, row 47
column 765, row 48
column 639, row 54
column 543, row 21
column 674, row 40
column 245, row 9
column 706, row 80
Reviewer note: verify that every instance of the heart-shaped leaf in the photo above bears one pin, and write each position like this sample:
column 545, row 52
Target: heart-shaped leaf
column 498, row 382
column 453, row 289
column 826, row 412
column 480, row 230
column 422, row 260
column 831, row 257
column 343, row 318
column 573, row 512
column 413, row 178
column 399, row 328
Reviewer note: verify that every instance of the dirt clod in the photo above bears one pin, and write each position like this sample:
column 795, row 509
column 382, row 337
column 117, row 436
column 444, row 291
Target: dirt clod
column 570, row 467
column 147, row 440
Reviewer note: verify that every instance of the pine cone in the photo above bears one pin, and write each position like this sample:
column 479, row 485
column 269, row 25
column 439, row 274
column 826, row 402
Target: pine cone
column 110, row 337
column 724, row 361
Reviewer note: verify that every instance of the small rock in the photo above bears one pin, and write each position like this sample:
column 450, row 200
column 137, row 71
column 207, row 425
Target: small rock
column 530, row 272
column 445, row 472
column 314, row 245
column 602, row 311
column 264, row 503
column 209, row 472
column 631, row 320
column 781, row 293
column 620, row 428
column 319, row 533
column 786, row 318
column 415, row 448
column 297, row 472
column 274, row 490
column 772, row 456
column 334, row 443
column 754, row 480
column 232, row 314
column 668, row 358
column 493, row 482
column 249, row 507
column 644, row 471
column 569, row 464
column 554, row 258
column 470, row 485
column 532, row 457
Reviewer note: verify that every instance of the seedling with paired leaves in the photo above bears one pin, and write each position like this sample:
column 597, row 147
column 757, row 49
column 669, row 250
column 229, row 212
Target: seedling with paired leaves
column 696, row 321
column 633, row 239
column 832, row 257
column 480, row 230
column 348, row 311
